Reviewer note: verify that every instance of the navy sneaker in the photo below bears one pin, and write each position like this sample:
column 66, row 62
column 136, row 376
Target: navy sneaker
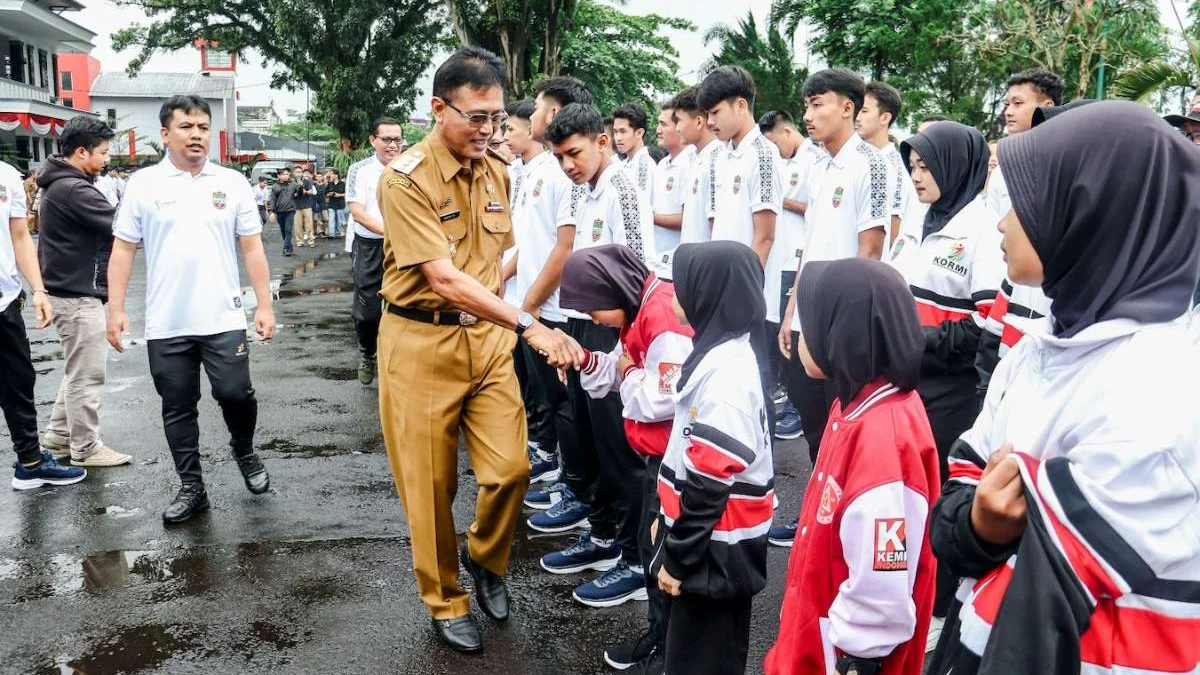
column 49, row 472
column 567, row 513
column 783, row 535
column 788, row 426
column 543, row 468
column 617, row 586
column 585, row 554
column 542, row 498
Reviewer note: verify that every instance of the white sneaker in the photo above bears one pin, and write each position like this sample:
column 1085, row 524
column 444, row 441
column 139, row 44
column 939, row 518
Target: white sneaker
column 101, row 456
column 935, row 634
column 59, row 446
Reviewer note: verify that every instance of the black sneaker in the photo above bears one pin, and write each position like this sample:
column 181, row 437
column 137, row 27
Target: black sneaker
column 188, row 503
column 628, row 654
column 654, row 664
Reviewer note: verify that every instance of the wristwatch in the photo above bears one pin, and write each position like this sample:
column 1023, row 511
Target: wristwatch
column 524, row 321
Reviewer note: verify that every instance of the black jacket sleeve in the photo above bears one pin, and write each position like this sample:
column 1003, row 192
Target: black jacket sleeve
column 701, row 503
column 950, row 534
column 986, row 359
column 953, row 343
column 91, row 210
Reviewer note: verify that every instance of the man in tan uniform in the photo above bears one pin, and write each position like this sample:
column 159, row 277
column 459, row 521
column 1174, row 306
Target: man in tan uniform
column 446, row 342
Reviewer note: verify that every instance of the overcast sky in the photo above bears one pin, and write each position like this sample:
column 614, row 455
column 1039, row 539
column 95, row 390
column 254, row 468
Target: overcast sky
column 103, row 17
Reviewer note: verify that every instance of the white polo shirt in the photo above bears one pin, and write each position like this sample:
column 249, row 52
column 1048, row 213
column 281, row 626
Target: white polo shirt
column 516, row 172
column 791, row 229
column 670, row 177
column 616, row 212
column 903, row 191
column 746, row 181
column 351, row 176
column 189, row 227
column 997, row 194
column 698, row 195
column 848, row 194
column 12, row 205
column 363, row 189
column 547, row 201
column 640, row 168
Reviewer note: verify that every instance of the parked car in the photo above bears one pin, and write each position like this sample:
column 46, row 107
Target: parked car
column 268, row 168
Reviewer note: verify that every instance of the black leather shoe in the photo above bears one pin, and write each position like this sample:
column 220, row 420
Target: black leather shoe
column 254, row 473
column 189, row 502
column 460, row 633
column 490, row 591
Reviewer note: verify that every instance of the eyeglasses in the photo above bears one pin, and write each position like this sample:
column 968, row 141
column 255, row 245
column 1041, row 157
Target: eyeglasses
column 390, row 140
column 477, row 120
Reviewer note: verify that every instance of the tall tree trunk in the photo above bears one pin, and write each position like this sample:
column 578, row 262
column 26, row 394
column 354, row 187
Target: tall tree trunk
column 560, row 16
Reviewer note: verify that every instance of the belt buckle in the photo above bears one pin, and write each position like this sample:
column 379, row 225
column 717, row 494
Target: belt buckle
column 465, row 319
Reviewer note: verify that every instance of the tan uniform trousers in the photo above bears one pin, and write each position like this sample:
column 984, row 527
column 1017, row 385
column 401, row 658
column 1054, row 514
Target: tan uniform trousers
column 433, row 382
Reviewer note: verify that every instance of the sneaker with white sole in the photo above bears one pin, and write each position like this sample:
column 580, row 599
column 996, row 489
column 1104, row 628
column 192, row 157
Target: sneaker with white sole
column 48, row 472
column 615, row 587
column 101, row 456
column 583, row 555
column 566, row 514
column 58, row 445
column 626, row 655
column 783, row 535
column 543, row 467
column 542, row 498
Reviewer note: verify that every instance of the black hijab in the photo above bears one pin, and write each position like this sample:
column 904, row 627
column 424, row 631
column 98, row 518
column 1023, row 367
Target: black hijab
column 719, row 286
column 1107, row 196
column 860, row 323
column 957, row 157
column 604, row 277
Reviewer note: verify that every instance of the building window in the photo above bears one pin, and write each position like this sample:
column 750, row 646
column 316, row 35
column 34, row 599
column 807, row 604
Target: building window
column 31, row 64
column 68, row 102
column 16, row 61
column 37, row 150
column 44, row 70
column 23, row 147
column 48, row 143
column 111, row 117
column 67, row 85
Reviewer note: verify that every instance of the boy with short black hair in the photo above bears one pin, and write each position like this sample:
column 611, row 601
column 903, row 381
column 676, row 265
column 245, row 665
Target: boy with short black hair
column 669, row 177
column 628, row 135
column 881, row 109
column 691, row 121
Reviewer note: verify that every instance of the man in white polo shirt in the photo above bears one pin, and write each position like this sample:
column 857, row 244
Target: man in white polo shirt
column 629, row 138
column 192, row 216
column 691, row 121
column 881, row 107
column 34, row 467
column 747, row 195
column 387, row 139
column 670, row 177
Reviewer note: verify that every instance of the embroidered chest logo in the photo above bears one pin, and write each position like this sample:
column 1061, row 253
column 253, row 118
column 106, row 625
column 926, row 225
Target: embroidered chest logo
column 597, row 229
column 737, row 184
column 952, row 260
column 830, row 496
column 898, row 247
column 668, row 373
column 670, row 183
column 218, row 200
column 891, row 546
column 795, row 179
column 837, row 196
column 446, row 202
column 537, row 188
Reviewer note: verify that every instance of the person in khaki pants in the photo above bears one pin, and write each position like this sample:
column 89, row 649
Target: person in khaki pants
column 76, row 240
column 306, row 191
column 446, row 342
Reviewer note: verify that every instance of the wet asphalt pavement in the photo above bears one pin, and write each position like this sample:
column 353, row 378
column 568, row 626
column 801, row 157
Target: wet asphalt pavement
column 313, row 577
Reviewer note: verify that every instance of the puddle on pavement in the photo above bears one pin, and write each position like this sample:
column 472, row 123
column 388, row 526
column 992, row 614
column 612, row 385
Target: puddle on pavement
column 49, row 356
column 133, row 649
column 301, row 450
column 335, row 373
column 115, row 511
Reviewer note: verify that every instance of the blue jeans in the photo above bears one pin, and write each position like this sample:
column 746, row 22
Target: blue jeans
column 337, row 222
column 284, row 218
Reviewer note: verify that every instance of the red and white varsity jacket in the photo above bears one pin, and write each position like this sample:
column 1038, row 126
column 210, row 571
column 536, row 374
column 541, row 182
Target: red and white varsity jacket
column 658, row 345
column 1017, row 309
column 716, row 485
column 861, row 577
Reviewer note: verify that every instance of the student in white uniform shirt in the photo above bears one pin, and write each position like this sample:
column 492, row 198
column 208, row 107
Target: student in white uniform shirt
column 798, row 156
column 691, row 122
column 550, row 206
column 747, row 194
column 848, row 214
column 387, row 139
column 881, row 107
column 613, row 211
column 192, row 216
column 629, row 138
column 1029, row 92
column 670, row 178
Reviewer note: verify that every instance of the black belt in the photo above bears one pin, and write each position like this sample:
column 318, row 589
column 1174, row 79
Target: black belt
column 436, row 317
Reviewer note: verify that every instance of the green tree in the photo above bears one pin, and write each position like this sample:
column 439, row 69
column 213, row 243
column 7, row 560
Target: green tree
column 527, row 35
column 1180, row 70
column 622, row 58
column 768, row 58
column 301, row 130
column 360, row 58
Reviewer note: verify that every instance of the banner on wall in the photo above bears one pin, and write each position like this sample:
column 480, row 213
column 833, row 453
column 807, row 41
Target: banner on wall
column 42, row 125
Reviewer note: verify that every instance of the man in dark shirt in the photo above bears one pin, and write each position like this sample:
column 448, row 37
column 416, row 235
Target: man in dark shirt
column 320, row 217
column 282, row 205
column 306, row 190
column 335, row 197
column 76, row 240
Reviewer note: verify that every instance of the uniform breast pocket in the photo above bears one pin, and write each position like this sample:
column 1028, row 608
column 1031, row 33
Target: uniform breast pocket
column 497, row 230
column 455, row 230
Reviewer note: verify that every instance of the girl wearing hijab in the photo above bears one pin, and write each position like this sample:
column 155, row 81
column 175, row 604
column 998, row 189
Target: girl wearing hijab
column 860, row 584
column 716, row 484
column 1072, row 506
column 612, row 284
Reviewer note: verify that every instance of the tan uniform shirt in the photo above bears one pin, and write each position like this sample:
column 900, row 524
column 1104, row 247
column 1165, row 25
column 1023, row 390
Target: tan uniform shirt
column 433, row 207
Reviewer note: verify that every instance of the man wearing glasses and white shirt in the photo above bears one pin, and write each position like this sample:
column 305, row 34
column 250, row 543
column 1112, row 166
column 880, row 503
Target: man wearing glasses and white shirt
column 387, row 137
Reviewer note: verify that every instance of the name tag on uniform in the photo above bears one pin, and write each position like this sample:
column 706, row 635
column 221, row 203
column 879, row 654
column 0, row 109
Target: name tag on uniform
column 450, row 216
column 494, row 207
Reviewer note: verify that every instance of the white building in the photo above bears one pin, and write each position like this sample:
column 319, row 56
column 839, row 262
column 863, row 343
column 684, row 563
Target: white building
column 31, row 115
column 133, row 104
